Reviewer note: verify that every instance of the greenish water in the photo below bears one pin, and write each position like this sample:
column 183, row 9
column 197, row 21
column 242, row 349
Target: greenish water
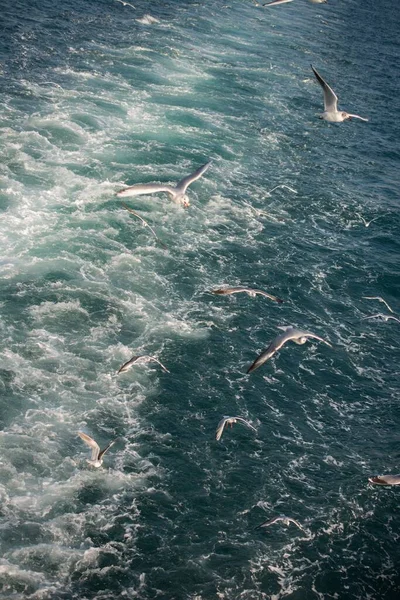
column 93, row 99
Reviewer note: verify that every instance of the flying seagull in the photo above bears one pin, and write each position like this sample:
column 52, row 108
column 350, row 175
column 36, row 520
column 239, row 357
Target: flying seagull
column 276, row 2
column 230, row 421
column 145, row 223
column 383, row 317
column 96, row 459
column 283, row 518
column 177, row 193
column 136, row 359
column 228, row 291
column 125, row 3
column 298, row 336
column 331, row 113
column 368, row 223
column 385, row 480
column 380, row 300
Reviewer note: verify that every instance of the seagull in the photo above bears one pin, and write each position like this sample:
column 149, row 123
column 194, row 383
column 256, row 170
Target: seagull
column 385, row 480
column 282, row 185
column 276, row 2
column 228, row 291
column 298, row 336
column 97, row 454
column 380, row 300
column 230, row 421
column 145, row 223
column 283, row 518
column 147, row 20
column 331, row 113
column 125, row 3
column 177, row 193
column 368, row 223
column 383, row 317
column 142, row 358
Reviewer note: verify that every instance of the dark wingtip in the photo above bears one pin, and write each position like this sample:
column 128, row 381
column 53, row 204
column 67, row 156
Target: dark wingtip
column 279, row 301
column 250, row 369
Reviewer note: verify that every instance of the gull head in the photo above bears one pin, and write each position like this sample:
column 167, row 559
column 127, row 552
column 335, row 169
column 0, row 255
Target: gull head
column 182, row 199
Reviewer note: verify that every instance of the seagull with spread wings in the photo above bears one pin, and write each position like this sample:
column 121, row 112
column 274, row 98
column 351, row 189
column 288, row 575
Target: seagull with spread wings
column 177, row 193
column 331, row 112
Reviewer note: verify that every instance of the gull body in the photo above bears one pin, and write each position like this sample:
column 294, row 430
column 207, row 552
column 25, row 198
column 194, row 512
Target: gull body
column 331, row 112
column 293, row 334
column 283, row 518
column 96, row 459
column 177, row 193
column 385, row 480
column 383, row 317
column 228, row 291
column 140, row 358
column 230, row 421
column 380, row 300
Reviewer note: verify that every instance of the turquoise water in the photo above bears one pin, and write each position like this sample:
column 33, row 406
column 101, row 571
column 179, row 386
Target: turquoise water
column 95, row 97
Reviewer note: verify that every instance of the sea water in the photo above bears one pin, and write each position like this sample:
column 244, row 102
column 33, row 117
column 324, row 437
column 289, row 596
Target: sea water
column 96, row 95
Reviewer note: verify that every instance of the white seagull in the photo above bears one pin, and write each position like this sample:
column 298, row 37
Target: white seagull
column 298, row 336
column 331, row 113
column 276, row 2
column 383, row 317
column 125, row 3
column 385, row 480
column 230, row 421
column 177, row 193
column 368, row 223
column 283, row 518
column 141, row 358
column 380, row 300
column 228, row 291
column 96, row 459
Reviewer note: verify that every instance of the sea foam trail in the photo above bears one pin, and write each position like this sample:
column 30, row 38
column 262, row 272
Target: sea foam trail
column 111, row 102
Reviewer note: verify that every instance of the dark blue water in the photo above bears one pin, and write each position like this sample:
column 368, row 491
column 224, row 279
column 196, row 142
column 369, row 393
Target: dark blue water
column 95, row 96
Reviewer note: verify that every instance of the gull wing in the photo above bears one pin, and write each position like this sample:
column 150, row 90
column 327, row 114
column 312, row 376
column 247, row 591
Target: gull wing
column 320, row 339
column 220, row 428
column 186, row 181
column 270, row 296
column 330, row 98
column 276, row 2
column 157, row 361
column 246, row 423
column 91, row 443
column 274, row 346
column 147, row 188
column 106, row 448
column 290, row 520
column 269, row 522
column 128, row 364
column 385, row 480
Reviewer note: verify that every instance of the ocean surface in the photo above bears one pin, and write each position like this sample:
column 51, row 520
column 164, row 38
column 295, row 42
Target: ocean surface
column 96, row 95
